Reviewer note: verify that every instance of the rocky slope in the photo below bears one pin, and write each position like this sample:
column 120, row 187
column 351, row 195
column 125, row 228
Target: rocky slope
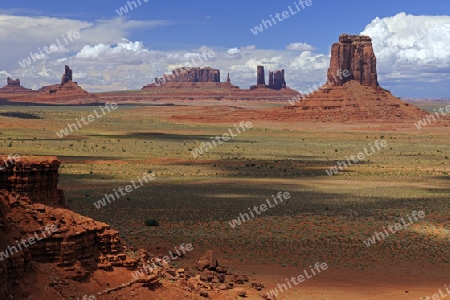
column 50, row 252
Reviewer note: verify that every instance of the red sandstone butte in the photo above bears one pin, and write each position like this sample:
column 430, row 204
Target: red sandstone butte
column 355, row 54
column 276, row 80
column 67, row 92
column 357, row 97
column 14, row 87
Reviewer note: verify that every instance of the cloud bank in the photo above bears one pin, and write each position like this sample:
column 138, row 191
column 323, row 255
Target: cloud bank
column 412, row 55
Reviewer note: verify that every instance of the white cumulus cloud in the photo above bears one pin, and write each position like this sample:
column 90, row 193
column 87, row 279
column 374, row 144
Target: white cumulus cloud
column 299, row 47
column 411, row 50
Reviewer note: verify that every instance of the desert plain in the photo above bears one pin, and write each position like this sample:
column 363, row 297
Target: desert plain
column 326, row 219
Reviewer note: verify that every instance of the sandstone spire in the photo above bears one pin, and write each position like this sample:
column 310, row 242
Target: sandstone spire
column 260, row 77
column 67, row 76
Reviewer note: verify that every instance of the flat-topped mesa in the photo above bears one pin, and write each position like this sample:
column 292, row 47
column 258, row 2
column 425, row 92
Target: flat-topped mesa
column 12, row 82
column 206, row 74
column 67, row 76
column 355, row 54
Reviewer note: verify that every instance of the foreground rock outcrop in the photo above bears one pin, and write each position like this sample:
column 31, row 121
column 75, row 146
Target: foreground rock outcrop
column 35, row 227
column 50, row 252
column 36, row 178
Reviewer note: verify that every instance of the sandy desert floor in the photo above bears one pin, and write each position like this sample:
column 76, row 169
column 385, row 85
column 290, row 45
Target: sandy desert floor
column 327, row 218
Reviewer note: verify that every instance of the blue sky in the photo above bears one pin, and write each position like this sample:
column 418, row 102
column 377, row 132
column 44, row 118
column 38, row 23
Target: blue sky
column 158, row 36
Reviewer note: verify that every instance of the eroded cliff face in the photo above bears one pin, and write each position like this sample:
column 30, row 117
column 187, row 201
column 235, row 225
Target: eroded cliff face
column 355, row 54
column 36, row 227
column 50, row 252
column 36, row 178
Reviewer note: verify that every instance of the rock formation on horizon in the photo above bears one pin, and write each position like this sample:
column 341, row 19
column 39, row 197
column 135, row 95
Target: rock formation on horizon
column 67, row 76
column 260, row 76
column 205, row 74
column 11, row 82
column 65, row 92
column 276, row 79
column 355, row 54
column 13, row 87
column 193, row 78
column 352, row 92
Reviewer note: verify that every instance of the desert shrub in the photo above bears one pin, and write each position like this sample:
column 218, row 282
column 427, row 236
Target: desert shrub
column 151, row 222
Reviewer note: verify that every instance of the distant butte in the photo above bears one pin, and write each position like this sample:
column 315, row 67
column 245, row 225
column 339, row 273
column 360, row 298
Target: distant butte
column 276, row 80
column 182, row 78
column 67, row 91
column 204, row 84
column 14, row 87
